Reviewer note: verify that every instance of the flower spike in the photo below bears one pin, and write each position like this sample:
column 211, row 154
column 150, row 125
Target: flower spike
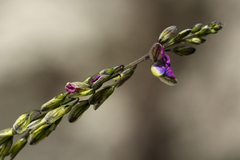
column 40, row 126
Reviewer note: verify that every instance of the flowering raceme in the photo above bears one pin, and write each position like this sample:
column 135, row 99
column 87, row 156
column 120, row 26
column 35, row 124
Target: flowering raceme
column 95, row 91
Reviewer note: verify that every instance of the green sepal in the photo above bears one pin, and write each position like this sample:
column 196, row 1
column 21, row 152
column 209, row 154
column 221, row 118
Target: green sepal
column 78, row 110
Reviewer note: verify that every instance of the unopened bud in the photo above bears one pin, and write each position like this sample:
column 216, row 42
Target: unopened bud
column 18, row 146
column 53, row 103
column 166, row 34
column 98, row 98
column 8, row 132
column 204, row 31
column 39, row 134
column 78, row 110
column 36, row 124
column 197, row 28
column 22, row 122
column 125, row 75
column 181, row 35
column 218, row 26
column 6, row 147
column 57, row 113
column 184, row 51
column 98, row 79
column 196, row 40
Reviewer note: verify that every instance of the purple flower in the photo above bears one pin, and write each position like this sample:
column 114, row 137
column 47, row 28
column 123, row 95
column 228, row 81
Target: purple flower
column 163, row 70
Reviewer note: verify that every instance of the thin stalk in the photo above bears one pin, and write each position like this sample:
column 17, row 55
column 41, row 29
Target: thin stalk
column 140, row 60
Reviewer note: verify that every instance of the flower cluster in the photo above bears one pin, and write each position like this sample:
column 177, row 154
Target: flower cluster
column 38, row 124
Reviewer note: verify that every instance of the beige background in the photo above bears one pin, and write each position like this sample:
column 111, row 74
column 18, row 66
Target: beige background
column 44, row 44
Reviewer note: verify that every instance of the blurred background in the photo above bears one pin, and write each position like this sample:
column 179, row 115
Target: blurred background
column 45, row 44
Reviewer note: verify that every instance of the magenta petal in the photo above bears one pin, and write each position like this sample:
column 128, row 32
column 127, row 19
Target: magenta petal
column 95, row 79
column 72, row 88
column 169, row 72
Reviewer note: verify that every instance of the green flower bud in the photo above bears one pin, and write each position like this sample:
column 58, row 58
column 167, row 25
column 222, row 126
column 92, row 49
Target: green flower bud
column 36, row 124
column 212, row 31
column 59, row 112
column 107, row 71
column 55, row 124
column 39, row 134
column 204, row 31
column 22, row 122
column 78, row 110
column 111, row 70
column 98, row 79
column 98, row 98
column 218, row 26
column 8, row 132
column 166, row 34
column 180, row 35
column 196, row 40
column 197, row 28
column 18, row 146
column 6, row 147
column 53, row 103
column 87, row 80
column 184, row 51
column 99, row 82
column 212, row 24
column 118, row 69
column 125, row 75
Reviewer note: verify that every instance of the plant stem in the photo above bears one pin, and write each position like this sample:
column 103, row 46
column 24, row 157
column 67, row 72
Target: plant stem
column 140, row 60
